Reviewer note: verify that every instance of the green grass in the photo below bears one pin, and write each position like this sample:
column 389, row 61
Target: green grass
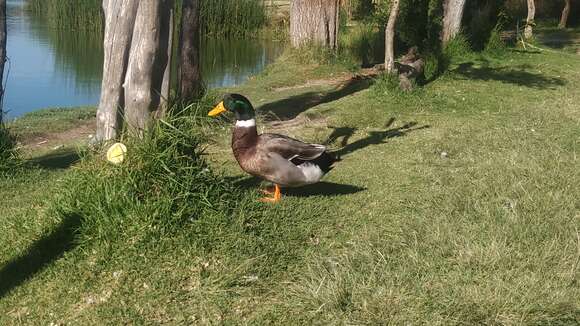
column 51, row 120
column 9, row 158
column 453, row 204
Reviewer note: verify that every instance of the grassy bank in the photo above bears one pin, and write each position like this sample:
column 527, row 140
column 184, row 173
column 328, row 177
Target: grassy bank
column 454, row 204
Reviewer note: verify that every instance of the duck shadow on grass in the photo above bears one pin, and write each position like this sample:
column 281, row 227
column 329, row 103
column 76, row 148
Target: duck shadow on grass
column 325, row 188
column 518, row 75
column 39, row 255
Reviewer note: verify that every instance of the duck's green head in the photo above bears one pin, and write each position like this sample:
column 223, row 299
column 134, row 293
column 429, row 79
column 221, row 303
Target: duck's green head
column 236, row 103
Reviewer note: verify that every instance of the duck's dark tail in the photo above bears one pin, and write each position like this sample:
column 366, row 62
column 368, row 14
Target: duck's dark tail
column 325, row 161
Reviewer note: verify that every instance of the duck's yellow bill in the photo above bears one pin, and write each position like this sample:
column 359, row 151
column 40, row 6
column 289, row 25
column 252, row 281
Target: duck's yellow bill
column 219, row 109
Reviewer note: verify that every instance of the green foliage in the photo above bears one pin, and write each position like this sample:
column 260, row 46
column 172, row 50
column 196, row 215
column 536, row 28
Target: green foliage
column 361, row 9
column 163, row 184
column 9, row 160
column 230, row 18
column 419, row 23
column 495, row 44
column 78, row 15
column 386, row 84
column 458, row 47
column 435, row 65
column 218, row 17
column 363, row 43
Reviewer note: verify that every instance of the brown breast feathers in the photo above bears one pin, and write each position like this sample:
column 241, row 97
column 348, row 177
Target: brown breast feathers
column 244, row 140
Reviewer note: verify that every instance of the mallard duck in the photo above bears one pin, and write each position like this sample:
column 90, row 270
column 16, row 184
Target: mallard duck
column 284, row 161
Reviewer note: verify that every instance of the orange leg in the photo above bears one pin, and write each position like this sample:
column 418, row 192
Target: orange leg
column 276, row 198
column 268, row 191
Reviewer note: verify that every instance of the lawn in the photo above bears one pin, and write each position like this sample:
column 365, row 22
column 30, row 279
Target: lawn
column 455, row 204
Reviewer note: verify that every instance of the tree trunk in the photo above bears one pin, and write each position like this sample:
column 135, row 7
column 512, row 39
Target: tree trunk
column 452, row 16
column 147, row 62
column 119, row 22
column 2, row 53
column 528, row 31
column 390, row 38
column 190, row 83
column 166, row 86
column 565, row 14
column 314, row 21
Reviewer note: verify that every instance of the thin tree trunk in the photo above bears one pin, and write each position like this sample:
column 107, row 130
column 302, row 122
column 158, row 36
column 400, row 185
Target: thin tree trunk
column 166, row 85
column 528, row 31
column 190, row 82
column 565, row 14
column 390, row 38
column 314, row 21
column 147, row 62
column 2, row 53
column 119, row 22
column 452, row 16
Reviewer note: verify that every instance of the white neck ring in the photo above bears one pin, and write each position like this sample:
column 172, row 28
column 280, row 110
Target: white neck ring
column 246, row 123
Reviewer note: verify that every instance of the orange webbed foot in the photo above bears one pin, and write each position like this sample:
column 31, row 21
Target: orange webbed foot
column 275, row 199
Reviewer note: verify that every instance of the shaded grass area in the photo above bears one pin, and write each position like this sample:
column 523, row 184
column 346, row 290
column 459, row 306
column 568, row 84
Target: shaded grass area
column 454, row 204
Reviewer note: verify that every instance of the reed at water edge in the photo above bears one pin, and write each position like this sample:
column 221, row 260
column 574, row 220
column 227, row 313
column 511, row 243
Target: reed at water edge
column 219, row 17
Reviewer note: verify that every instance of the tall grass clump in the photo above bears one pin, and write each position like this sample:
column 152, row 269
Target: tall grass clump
column 9, row 160
column 232, row 17
column 163, row 185
column 457, row 48
column 78, row 15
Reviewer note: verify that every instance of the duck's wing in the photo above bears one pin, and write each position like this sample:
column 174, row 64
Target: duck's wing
column 289, row 148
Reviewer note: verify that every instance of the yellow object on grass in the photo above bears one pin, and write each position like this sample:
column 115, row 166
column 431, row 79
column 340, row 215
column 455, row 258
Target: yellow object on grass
column 116, row 153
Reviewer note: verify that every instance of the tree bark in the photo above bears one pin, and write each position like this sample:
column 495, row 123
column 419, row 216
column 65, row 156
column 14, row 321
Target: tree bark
column 528, row 31
column 565, row 14
column 119, row 22
column 390, row 38
column 2, row 53
column 190, row 82
column 314, row 21
column 166, row 85
column 147, row 62
column 452, row 16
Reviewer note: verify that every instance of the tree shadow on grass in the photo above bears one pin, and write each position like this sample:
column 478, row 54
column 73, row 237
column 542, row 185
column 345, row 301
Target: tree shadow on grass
column 375, row 137
column 558, row 39
column 39, row 255
column 290, row 108
column 56, row 160
column 518, row 76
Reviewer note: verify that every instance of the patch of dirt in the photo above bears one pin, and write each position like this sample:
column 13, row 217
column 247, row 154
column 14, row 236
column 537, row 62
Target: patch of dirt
column 57, row 139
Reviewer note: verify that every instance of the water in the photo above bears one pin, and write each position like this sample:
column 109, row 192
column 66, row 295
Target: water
column 60, row 68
